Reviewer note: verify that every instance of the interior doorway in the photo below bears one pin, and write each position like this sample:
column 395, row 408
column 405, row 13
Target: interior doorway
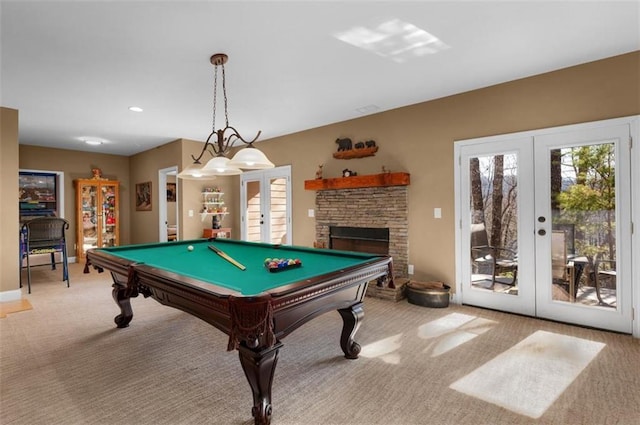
column 168, row 204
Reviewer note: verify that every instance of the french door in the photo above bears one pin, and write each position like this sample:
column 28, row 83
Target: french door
column 545, row 224
column 265, row 197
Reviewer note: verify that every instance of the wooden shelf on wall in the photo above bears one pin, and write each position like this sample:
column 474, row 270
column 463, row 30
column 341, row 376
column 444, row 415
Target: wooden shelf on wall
column 356, row 153
column 353, row 182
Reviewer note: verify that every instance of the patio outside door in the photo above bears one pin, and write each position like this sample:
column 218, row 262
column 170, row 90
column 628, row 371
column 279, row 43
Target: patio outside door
column 558, row 248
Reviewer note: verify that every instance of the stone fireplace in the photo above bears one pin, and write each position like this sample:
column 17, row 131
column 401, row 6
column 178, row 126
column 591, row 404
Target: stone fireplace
column 372, row 208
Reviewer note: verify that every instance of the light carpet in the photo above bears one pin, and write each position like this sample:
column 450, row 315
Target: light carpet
column 65, row 363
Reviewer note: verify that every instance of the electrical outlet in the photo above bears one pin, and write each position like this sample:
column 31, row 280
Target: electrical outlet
column 410, row 268
column 311, row 213
column 437, row 213
column 190, row 213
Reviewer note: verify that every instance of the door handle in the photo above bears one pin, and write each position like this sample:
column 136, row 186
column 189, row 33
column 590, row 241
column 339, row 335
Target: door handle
column 542, row 232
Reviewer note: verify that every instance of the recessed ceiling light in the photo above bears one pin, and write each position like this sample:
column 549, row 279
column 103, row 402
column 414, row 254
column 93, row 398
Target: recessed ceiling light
column 93, row 142
column 135, row 108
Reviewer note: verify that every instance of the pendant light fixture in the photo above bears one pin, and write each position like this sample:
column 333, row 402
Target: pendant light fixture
column 220, row 142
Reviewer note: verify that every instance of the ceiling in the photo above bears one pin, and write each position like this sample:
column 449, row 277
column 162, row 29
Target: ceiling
column 74, row 68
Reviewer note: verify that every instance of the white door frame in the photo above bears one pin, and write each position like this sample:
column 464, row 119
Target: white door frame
column 264, row 176
column 634, row 123
column 635, row 220
column 162, row 202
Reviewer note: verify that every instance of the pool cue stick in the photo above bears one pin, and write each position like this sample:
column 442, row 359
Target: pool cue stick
column 226, row 257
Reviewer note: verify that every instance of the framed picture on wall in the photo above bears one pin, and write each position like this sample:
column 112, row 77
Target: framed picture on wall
column 143, row 196
column 171, row 192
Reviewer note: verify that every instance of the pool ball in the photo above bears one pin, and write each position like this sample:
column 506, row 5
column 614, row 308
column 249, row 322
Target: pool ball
column 190, row 247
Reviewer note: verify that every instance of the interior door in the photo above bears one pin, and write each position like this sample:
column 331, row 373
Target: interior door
column 545, row 224
column 167, row 204
column 583, row 235
column 266, row 205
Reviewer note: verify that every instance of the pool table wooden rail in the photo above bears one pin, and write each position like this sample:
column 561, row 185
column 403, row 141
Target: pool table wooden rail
column 293, row 305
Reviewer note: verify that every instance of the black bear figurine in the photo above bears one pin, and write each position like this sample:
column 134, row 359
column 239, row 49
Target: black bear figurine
column 344, row 144
column 370, row 143
column 359, row 145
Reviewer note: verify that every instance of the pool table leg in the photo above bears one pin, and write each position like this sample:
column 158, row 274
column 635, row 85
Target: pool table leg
column 121, row 295
column 259, row 367
column 351, row 318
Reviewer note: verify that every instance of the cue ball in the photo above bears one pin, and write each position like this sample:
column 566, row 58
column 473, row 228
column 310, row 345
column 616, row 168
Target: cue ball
column 190, row 247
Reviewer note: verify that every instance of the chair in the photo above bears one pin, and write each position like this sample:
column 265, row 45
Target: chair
column 561, row 269
column 604, row 272
column 487, row 258
column 44, row 235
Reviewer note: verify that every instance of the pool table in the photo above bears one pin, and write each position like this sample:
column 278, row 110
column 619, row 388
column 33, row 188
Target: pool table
column 257, row 307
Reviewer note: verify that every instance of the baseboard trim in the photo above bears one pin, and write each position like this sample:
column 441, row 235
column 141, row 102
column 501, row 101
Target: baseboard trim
column 13, row 295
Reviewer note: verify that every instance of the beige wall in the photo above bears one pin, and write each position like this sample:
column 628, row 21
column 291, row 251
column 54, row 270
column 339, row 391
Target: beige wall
column 9, row 218
column 417, row 139
column 77, row 165
column 144, row 168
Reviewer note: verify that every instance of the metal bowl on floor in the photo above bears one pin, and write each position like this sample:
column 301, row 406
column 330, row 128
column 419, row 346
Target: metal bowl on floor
column 428, row 294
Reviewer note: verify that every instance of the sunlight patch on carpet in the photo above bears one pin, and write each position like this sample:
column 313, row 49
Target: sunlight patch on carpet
column 452, row 331
column 531, row 375
column 384, row 349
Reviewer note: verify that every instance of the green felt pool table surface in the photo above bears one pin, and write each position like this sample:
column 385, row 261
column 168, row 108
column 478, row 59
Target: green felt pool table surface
column 205, row 265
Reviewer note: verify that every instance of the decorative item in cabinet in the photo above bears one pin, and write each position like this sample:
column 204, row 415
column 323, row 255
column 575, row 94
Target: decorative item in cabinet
column 97, row 214
column 213, row 206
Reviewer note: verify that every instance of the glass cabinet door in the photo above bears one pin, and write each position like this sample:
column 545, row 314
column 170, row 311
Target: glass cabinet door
column 108, row 215
column 90, row 217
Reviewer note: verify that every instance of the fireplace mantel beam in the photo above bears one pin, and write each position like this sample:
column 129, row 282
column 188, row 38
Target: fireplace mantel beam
column 373, row 180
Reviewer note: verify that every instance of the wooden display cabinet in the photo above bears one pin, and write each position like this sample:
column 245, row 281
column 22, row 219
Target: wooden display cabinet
column 97, row 214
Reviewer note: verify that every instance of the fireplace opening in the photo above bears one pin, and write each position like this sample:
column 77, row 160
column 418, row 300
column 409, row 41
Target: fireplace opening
column 373, row 240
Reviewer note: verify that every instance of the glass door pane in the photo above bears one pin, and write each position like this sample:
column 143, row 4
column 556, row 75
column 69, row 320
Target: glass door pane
column 494, row 223
column 583, row 245
column 90, row 217
column 108, row 215
column 278, row 211
column 254, row 215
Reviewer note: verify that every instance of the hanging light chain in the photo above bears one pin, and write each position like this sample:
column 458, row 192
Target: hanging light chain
column 224, row 93
column 215, row 95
